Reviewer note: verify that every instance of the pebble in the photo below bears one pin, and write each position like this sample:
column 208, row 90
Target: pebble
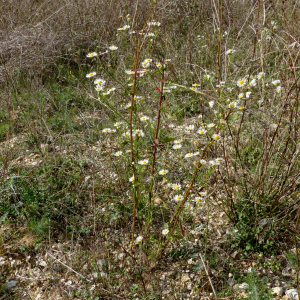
column 292, row 294
column 185, row 277
column 11, row 284
column 278, row 291
column 121, row 256
column 42, row 263
column 244, row 287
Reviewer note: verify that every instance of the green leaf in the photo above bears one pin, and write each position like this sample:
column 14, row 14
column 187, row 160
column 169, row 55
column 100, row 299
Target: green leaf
column 167, row 140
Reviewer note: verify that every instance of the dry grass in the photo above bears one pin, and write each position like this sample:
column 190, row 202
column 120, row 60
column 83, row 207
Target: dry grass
column 53, row 150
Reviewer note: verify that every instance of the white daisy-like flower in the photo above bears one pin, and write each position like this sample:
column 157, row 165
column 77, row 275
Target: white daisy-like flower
column 198, row 199
column 276, row 82
column 154, row 23
column 169, row 185
column 252, row 82
column 189, row 155
column 230, row 51
column 216, row 137
column 113, row 48
column 196, row 153
column 139, row 132
column 203, row 194
column 139, row 239
column 248, row 94
column 220, row 159
column 202, row 131
column 202, row 161
column 123, row 28
column 177, row 141
column 178, row 197
column 106, row 130
column 211, row 125
column 211, row 104
column 188, row 206
column 130, row 84
column 118, row 153
column 190, row 127
column 110, row 90
column 99, row 81
column 222, row 121
column 92, row 54
column 176, row 186
column 131, row 179
column 241, row 82
column 260, row 75
column 196, row 85
column 128, row 105
column 193, row 88
column 207, row 77
column 166, row 90
column 177, row 146
column 90, row 74
column 163, row 172
column 145, row 119
column 279, row 89
column 146, row 63
column 129, row 72
column 179, row 128
column 99, row 88
column 117, row 124
column 232, row 105
column 221, row 84
column 212, row 163
column 143, row 162
column 127, row 133
column 241, row 96
column 140, row 73
column 165, row 232
column 241, row 107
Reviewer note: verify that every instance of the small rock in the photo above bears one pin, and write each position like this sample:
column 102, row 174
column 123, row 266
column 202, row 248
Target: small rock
column 292, row 294
column 157, row 200
column 103, row 275
column 95, row 275
column 185, row 277
column 191, row 262
column 231, row 281
column 244, row 287
column 189, row 286
column 101, row 263
column 278, row 291
column 234, row 254
column 42, row 263
column 57, row 268
column 121, row 256
column 11, row 284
